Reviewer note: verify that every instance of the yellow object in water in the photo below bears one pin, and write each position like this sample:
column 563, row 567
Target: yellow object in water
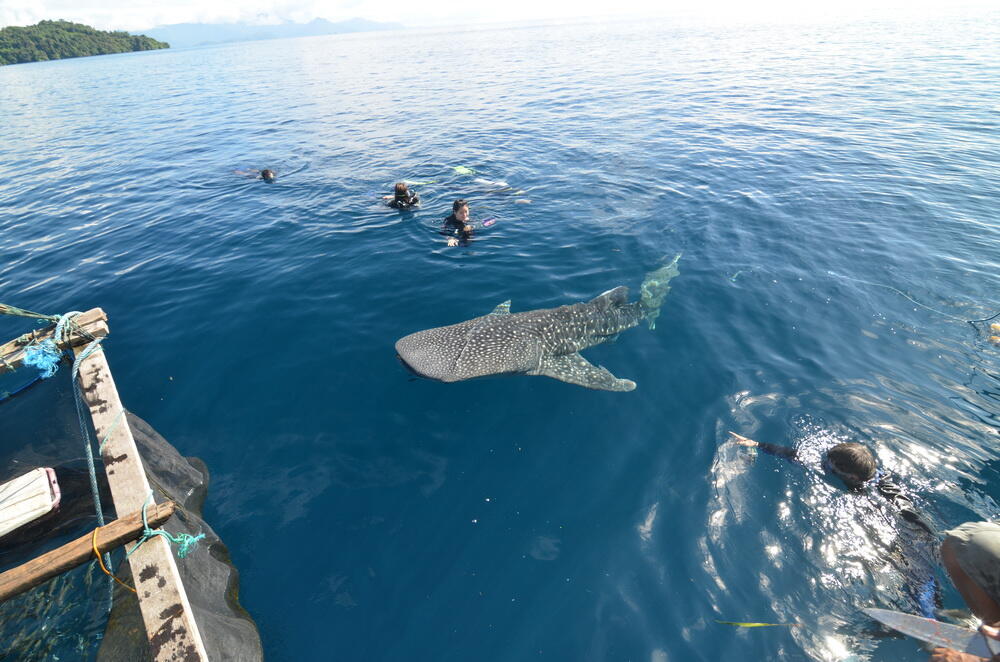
column 758, row 625
column 995, row 327
column 995, row 340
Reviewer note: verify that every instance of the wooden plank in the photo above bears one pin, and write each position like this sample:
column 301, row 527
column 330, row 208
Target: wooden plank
column 27, row 497
column 166, row 612
column 43, row 568
column 94, row 322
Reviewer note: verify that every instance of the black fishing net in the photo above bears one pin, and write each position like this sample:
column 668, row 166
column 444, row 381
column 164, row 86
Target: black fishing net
column 68, row 618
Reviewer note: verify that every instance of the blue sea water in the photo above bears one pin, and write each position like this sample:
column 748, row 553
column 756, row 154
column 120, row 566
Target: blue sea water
column 834, row 189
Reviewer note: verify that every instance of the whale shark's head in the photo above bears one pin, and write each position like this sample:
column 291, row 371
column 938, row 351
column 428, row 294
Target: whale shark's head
column 434, row 352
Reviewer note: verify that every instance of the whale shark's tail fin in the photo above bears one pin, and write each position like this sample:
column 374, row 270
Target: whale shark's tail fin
column 655, row 288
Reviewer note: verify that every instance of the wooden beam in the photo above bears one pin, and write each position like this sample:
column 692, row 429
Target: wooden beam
column 94, row 322
column 166, row 612
column 43, row 568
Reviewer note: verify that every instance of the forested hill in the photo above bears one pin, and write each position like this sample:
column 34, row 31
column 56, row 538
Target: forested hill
column 54, row 40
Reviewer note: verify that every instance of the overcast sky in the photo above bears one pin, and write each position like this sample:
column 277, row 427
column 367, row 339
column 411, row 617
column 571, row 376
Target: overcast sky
column 143, row 14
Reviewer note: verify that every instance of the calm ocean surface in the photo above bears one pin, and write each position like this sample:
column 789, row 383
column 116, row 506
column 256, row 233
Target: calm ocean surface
column 819, row 181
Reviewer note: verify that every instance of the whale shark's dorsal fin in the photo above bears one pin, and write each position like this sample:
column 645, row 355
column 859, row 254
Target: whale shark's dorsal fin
column 575, row 369
column 502, row 309
column 616, row 297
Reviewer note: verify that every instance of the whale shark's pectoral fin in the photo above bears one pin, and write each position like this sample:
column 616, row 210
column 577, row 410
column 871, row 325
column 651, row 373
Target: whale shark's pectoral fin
column 575, row 369
column 502, row 309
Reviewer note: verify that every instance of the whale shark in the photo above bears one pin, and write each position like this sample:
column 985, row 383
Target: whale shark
column 543, row 342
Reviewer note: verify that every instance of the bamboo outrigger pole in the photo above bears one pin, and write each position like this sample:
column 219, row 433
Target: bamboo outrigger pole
column 43, row 568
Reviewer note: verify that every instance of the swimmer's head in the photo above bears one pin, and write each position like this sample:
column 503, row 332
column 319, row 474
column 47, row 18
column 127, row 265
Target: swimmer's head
column 852, row 463
column 401, row 192
column 461, row 210
column 268, row 175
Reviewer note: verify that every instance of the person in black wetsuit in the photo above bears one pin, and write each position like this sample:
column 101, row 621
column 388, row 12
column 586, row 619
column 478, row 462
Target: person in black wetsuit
column 402, row 197
column 855, row 465
column 266, row 174
column 457, row 227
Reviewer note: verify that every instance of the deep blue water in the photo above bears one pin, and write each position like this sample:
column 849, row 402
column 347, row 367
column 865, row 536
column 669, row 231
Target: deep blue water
column 818, row 180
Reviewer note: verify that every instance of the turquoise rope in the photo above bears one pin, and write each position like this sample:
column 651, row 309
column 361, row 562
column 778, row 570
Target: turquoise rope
column 118, row 419
column 63, row 320
column 60, row 333
column 184, row 541
column 21, row 312
column 88, row 446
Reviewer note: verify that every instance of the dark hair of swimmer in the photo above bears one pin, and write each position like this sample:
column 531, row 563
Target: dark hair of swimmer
column 401, row 192
column 852, row 462
column 458, row 204
column 268, row 175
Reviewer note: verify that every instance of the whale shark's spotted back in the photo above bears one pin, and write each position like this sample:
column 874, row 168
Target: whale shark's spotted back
column 537, row 342
column 475, row 348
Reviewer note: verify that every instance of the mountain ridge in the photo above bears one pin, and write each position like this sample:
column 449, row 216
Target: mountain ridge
column 187, row 35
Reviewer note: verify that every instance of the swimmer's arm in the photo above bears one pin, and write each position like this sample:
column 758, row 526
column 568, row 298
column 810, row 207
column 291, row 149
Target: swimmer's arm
column 779, row 451
column 770, row 449
column 889, row 489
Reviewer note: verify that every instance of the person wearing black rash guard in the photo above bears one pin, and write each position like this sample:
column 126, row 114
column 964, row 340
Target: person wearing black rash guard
column 855, row 465
column 457, row 226
column 402, row 197
column 266, row 174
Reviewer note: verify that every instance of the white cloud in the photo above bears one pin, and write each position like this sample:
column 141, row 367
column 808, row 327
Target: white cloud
column 144, row 14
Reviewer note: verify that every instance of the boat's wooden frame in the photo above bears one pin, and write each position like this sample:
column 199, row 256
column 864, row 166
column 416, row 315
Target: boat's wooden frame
column 171, row 629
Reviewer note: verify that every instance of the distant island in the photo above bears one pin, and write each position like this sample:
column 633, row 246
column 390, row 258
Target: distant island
column 185, row 35
column 55, row 40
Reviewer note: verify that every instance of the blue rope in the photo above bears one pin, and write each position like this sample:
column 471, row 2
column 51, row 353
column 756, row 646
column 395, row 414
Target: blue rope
column 44, row 356
column 184, row 541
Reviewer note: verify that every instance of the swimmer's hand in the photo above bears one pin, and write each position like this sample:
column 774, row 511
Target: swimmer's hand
column 949, row 655
column 741, row 440
column 452, row 241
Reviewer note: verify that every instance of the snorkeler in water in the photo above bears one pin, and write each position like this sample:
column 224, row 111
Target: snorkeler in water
column 457, row 227
column 266, row 174
column 855, row 465
column 402, row 197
